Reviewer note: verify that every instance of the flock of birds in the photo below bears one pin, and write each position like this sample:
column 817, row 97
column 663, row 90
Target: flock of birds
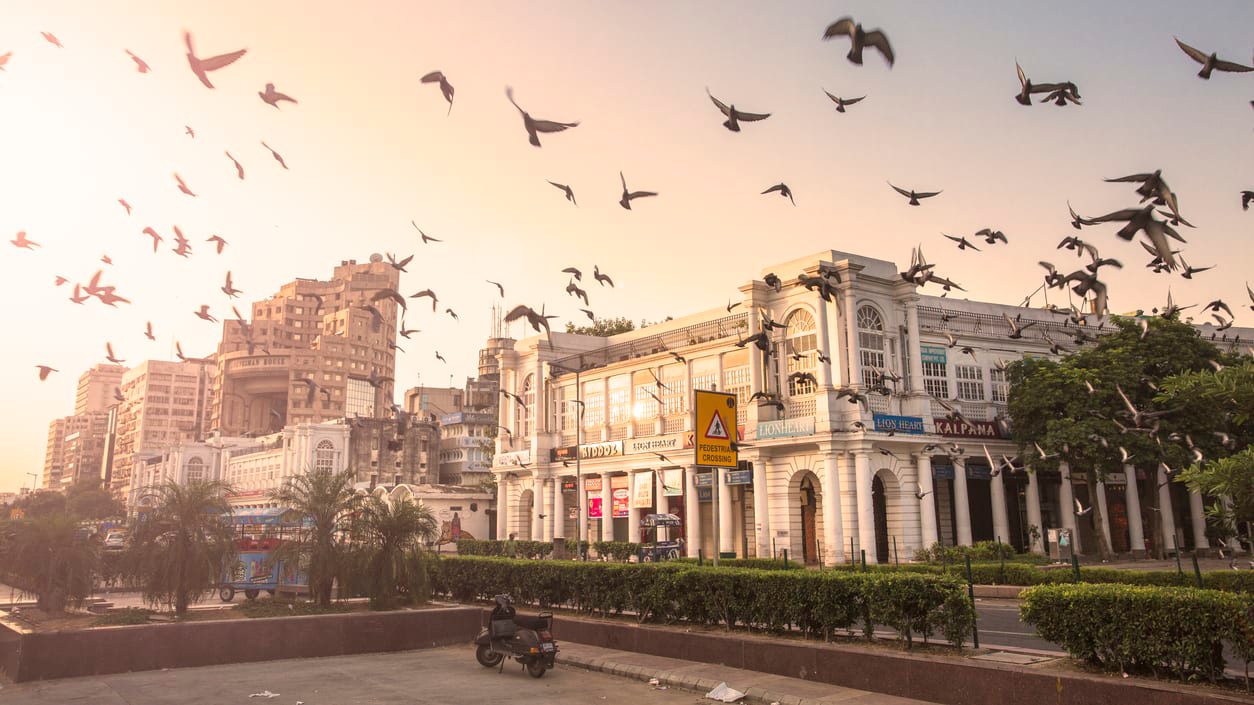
column 1156, row 218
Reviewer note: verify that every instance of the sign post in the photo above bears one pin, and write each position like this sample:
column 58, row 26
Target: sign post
column 714, row 423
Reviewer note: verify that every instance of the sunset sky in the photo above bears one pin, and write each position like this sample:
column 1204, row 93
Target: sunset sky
column 369, row 149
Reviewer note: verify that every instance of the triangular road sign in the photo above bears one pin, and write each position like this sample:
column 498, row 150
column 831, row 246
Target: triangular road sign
column 716, row 429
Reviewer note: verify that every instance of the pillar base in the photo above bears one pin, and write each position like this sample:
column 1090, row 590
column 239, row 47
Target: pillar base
column 1139, row 554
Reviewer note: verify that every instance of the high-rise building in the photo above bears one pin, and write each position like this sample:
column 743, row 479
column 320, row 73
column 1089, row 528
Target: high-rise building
column 166, row 403
column 75, row 448
column 316, row 351
column 434, row 400
column 96, row 387
column 388, row 451
column 467, row 434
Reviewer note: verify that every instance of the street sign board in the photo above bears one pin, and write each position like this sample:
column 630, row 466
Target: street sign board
column 714, row 424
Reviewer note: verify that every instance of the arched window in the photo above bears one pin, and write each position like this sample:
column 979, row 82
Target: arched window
column 529, row 401
column 194, row 470
column 324, row 457
column 871, row 345
column 800, row 351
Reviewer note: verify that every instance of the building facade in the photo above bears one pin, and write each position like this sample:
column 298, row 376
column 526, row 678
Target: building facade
column 467, row 443
column 96, row 388
column 313, row 352
column 394, row 451
column 604, row 432
column 165, row 404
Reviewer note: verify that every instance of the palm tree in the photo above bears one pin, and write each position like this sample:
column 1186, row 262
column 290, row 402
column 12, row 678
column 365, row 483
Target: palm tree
column 49, row 557
column 392, row 538
column 327, row 501
column 181, row 545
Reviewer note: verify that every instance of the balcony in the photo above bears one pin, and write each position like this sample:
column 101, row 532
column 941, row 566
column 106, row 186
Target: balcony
column 799, row 407
column 644, row 346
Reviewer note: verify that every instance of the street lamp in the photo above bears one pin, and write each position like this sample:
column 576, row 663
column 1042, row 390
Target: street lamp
column 33, row 479
column 581, row 524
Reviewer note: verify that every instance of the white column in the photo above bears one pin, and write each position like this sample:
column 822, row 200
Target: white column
column 915, row 349
column 851, row 331
column 633, row 514
column 502, row 508
column 833, row 524
column 1066, row 501
column 825, row 368
column 1034, row 512
column 726, row 531
column 559, row 511
column 692, row 511
column 1166, row 514
column 607, row 511
column 1136, row 530
column 1001, row 519
column 1198, row 514
column 537, row 508
column 753, row 413
column 866, row 505
column 927, row 505
column 962, row 505
column 1101, row 505
column 660, row 503
column 761, row 509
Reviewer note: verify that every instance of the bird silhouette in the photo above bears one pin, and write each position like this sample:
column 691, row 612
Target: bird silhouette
column 425, row 237
column 915, row 196
column 427, row 293
column 842, row 103
column 229, row 289
column 538, row 321
column 202, row 67
column 148, row 331
column 783, row 190
column 399, row 265
column 734, row 116
column 629, row 196
column 534, row 126
column 23, row 242
column 44, row 371
column 52, row 39
column 183, row 185
column 500, row 287
column 277, row 157
column 273, row 97
column 860, row 38
column 573, row 289
column 600, row 277
column 125, row 205
column 140, row 65
column 203, row 314
column 1246, row 197
column 219, row 242
column 570, row 194
column 1210, row 62
column 190, row 132
column 963, row 243
column 239, row 168
column 446, row 88
column 110, row 356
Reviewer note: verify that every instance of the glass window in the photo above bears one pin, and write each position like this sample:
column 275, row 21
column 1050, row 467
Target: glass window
column 674, row 391
column 970, row 382
column 800, row 351
column 324, row 456
column 593, row 404
column 529, row 404
column 620, row 398
column 871, row 345
column 1000, row 387
column 644, row 406
column 195, row 470
column 935, row 379
column 359, row 400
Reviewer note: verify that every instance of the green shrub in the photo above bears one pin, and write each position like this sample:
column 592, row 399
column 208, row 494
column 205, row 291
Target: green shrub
column 127, row 616
column 755, row 563
column 509, row 549
column 620, row 551
column 981, row 551
column 1141, row 628
column 817, row 602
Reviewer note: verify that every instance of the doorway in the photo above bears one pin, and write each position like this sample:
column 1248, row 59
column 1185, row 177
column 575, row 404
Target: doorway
column 880, row 505
column 809, row 509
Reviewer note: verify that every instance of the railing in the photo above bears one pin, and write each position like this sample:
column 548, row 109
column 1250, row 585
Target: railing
column 673, row 424
column 696, row 334
column 1059, row 328
column 618, row 431
column 799, row 408
column 972, row 410
column 643, row 427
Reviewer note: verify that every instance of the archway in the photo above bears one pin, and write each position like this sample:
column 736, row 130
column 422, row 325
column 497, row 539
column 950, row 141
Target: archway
column 525, row 511
column 809, row 521
column 803, row 538
column 879, row 502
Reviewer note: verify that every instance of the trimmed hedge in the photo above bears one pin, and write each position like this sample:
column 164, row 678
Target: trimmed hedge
column 817, row 602
column 510, row 549
column 1136, row 628
column 755, row 563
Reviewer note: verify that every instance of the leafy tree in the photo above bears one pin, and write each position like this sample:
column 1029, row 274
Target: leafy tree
column 1050, row 404
column 1224, row 400
column 328, row 502
column 180, row 546
column 50, row 557
column 392, row 538
column 86, row 499
column 42, row 503
column 603, row 327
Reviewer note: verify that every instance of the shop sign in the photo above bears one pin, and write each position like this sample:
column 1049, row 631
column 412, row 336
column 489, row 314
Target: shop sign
column 653, row 444
column 785, row 428
column 932, row 353
column 942, row 472
column 642, row 490
column 513, row 459
column 621, row 500
column 705, row 494
column 672, row 482
column 587, row 451
column 569, row 484
column 594, row 507
column 897, row 424
column 592, row 484
column 966, row 428
column 738, row 477
column 704, row 479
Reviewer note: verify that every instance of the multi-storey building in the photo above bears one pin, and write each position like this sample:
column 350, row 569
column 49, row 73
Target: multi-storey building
column 96, row 388
column 467, row 440
column 75, row 449
column 393, row 451
column 435, row 401
column 603, row 432
column 165, row 404
column 313, row 352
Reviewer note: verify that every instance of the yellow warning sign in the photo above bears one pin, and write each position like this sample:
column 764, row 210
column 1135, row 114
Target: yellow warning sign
column 714, row 423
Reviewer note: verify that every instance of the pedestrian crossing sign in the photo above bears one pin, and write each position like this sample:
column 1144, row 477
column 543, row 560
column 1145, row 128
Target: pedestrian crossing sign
column 714, row 423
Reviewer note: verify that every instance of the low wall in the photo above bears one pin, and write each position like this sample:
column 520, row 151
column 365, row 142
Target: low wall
column 155, row 646
column 938, row 679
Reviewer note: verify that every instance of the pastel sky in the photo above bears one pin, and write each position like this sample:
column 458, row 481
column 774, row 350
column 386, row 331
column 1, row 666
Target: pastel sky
column 369, row 149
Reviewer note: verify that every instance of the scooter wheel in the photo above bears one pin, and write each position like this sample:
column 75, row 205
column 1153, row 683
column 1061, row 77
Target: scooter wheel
column 536, row 669
column 486, row 658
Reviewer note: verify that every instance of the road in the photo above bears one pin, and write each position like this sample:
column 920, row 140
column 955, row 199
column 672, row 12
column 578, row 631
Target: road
column 999, row 625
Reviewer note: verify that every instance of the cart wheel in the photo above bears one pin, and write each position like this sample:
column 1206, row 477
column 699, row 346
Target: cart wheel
column 672, row 555
column 648, row 557
column 270, row 593
column 251, row 594
column 226, row 593
column 535, row 669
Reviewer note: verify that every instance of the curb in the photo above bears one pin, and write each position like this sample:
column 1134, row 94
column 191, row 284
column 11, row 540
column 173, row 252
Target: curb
column 682, row 682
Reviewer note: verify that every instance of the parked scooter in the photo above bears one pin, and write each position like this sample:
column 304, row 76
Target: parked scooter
column 527, row 640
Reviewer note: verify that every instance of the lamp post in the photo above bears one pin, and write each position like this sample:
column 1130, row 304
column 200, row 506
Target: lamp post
column 581, row 527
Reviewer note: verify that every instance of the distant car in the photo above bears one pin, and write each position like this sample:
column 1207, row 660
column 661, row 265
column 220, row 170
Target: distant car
column 115, row 540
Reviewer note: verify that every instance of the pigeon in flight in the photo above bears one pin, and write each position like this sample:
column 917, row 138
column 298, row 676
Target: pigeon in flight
column 140, row 65
column 148, row 331
column 538, row 321
column 399, row 265
column 183, row 185
column 218, row 241
column 204, row 315
column 190, row 132
column 1210, row 63
column 963, row 243
column 629, row 196
column 446, row 88
column 110, row 356
column 44, row 371
column 574, row 272
column 1060, row 93
column 534, row 126
column 913, row 196
column 500, row 287
column 52, row 39
column 842, row 103
column 272, row 97
column 4, row 59
column 156, row 238
column 601, row 279
column 229, row 289
column 1246, row 197
column 125, row 205
column 425, row 237
column 992, row 236
column 570, row 194
column 23, row 242
column 202, row 67
column 277, row 157
column 429, row 293
column 783, row 190
column 734, row 116
column 860, row 39
column 573, row 289
column 239, row 168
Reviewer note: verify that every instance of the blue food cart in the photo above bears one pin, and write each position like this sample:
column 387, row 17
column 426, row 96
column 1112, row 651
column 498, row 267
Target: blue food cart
column 655, row 550
column 258, row 534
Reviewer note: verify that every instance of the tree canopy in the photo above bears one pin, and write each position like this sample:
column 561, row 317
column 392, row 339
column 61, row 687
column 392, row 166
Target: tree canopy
column 603, row 327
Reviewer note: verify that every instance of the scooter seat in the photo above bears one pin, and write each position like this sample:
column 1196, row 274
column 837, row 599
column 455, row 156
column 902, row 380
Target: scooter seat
column 536, row 623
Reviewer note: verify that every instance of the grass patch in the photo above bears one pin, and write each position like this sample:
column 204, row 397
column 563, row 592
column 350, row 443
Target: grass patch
column 282, row 608
column 130, row 615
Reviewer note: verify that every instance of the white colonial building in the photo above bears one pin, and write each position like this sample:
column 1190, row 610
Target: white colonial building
column 822, row 477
